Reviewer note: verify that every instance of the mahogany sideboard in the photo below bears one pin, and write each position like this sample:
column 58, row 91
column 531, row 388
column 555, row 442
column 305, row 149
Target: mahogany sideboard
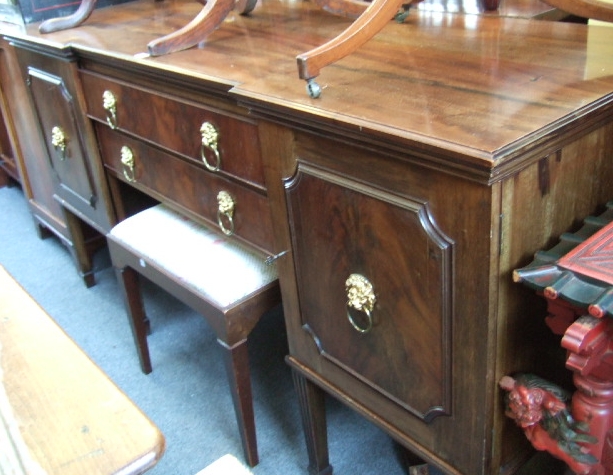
column 438, row 158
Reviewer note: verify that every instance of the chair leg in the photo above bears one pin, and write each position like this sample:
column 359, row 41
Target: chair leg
column 208, row 20
column 236, row 359
column 129, row 284
column 75, row 19
column 368, row 24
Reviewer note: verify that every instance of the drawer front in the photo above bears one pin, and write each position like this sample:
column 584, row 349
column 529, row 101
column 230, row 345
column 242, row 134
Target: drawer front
column 374, row 277
column 172, row 179
column 175, row 125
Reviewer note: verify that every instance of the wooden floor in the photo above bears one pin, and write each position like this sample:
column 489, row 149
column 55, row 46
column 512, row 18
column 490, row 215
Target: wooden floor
column 60, row 414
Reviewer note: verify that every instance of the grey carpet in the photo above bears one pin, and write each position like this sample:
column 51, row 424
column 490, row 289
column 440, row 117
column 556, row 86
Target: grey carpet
column 187, row 394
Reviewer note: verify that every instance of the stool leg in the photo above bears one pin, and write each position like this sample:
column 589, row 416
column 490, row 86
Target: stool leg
column 130, row 289
column 236, row 359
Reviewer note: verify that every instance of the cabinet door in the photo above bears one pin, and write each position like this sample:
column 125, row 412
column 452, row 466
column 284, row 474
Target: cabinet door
column 37, row 179
column 374, row 278
column 57, row 117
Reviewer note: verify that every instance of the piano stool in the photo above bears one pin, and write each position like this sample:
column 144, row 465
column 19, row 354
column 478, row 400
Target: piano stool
column 226, row 282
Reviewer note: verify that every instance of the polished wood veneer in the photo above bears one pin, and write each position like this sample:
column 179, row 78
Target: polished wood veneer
column 60, row 413
column 439, row 157
column 140, row 113
column 189, row 186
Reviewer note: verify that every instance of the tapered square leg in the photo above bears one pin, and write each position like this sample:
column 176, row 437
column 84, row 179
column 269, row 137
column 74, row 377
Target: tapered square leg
column 313, row 411
column 129, row 285
column 80, row 253
column 236, row 359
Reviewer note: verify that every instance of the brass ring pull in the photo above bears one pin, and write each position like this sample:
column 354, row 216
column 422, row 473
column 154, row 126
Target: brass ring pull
column 210, row 137
column 127, row 160
column 59, row 140
column 225, row 209
column 109, row 102
column 360, row 297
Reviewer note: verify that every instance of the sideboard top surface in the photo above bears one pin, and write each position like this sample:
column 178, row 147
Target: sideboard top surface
column 480, row 89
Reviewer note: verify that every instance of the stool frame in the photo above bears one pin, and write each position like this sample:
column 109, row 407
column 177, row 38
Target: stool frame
column 232, row 325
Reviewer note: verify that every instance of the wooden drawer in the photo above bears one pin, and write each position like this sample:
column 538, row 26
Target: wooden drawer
column 175, row 125
column 174, row 180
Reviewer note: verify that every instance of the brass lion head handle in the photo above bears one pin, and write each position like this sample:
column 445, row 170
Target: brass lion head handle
column 360, row 298
column 210, row 138
column 225, row 212
column 59, row 141
column 128, row 162
column 109, row 103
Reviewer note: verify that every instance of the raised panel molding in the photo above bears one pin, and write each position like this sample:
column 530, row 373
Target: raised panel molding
column 55, row 106
column 345, row 227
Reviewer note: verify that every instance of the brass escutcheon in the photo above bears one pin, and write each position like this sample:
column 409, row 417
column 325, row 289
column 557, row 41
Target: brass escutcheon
column 360, row 297
column 109, row 102
column 59, row 140
column 225, row 209
column 128, row 162
column 210, row 137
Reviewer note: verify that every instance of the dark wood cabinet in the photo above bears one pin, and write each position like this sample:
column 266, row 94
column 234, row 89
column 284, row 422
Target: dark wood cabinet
column 437, row 249
column 439, row 157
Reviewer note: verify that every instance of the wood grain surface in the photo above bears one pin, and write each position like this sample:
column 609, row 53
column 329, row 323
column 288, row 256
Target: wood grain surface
column 63, row 413
column 475, row 89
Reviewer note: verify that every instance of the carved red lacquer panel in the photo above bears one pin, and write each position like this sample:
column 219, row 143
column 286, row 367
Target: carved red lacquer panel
column 593, row 258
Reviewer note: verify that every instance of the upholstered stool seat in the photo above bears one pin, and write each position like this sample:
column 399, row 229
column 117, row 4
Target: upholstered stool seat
column 225, row 281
